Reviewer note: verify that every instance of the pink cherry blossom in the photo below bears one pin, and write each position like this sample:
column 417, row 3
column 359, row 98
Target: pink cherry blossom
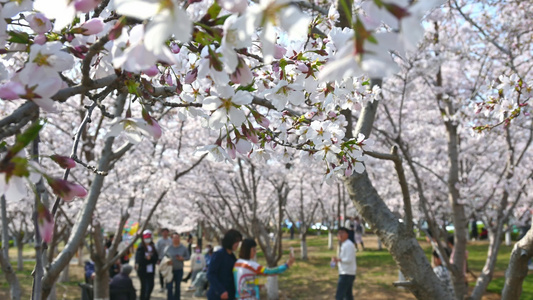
column 279, row 51
column 175, row 48
column 152, row 71
column 39, row 23
column 242, row 75
column 11, row 90
column 40, row 39
column 45, row 223
column 86, row 6
column 93, row 26
column 65, row 189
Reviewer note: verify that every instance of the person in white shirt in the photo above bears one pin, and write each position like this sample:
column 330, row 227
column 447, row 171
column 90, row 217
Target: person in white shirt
column 197, row 264
column 347, row 266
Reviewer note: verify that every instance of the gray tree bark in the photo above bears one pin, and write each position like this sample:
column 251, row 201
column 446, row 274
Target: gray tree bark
column 20, row 262
column 303, row 246
column 101, row 279
column 399, row 240
column 518, row 267
column 272, row 286
column 64, row 276
column 11, row 278
column 85, row 214
column 5, row 232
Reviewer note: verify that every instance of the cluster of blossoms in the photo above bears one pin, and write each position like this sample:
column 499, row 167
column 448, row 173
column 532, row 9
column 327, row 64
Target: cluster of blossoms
column 16, row 169
column 267, row 77
column 506, row 99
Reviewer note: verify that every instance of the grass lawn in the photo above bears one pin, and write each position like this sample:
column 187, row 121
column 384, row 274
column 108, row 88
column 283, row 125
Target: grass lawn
column 314, row 278
column 65, row 290
column 376, row 271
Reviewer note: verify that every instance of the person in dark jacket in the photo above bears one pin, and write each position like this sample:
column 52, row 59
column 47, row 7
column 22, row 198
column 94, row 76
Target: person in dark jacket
column 89, row 271
column 145, row 260
column 121, row 286
column 220, row 270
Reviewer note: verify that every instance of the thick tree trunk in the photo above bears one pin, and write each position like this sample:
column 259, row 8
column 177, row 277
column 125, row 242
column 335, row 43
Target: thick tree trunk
column 459, row 217
column 80, row 255
column 517, row 270
column 486, row 274
column 303, row 246
column 85, row 214
column 400, row 241
column 64, row 277
column 20, row 261
column 53, row 293
column 272, row 287
column 101, row 285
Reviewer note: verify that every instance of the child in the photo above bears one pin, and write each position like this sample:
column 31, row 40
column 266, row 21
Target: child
column 197, row 264
column 442, row 273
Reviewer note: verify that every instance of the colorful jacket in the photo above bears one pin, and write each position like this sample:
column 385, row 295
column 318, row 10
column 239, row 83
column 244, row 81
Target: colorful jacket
column 245, row 273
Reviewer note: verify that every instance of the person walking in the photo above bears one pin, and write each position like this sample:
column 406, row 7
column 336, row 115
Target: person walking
column 177, row 254
column 121, row 286
column 347, row 266
column 246, row 270
column 220, row 270
column 161, row 246
column 145, row 260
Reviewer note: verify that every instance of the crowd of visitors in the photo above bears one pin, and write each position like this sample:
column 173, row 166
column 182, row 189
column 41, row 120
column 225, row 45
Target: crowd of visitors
column 219, row 274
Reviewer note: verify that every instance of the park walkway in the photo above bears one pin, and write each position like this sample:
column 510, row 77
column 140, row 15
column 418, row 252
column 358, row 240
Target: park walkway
column 157, row 295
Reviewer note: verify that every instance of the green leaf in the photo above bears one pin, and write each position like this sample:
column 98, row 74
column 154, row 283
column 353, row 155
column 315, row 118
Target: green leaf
column 19, row 37
column 248, row 88
column 20, row 167
column 27, row 137
column 221, row 20
column 132, row 87
column 214, row 10
column 282, row 63
column 202, row 38
column 214, row 61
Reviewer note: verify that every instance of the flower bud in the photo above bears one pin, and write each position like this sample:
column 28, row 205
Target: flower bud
column 63, row 161
column 152, row 71
column 85, row 6
column 93, row 26
column 65, row 189
column 45, row 223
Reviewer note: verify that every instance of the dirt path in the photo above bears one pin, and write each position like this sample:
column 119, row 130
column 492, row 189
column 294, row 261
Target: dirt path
column 157, row 294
